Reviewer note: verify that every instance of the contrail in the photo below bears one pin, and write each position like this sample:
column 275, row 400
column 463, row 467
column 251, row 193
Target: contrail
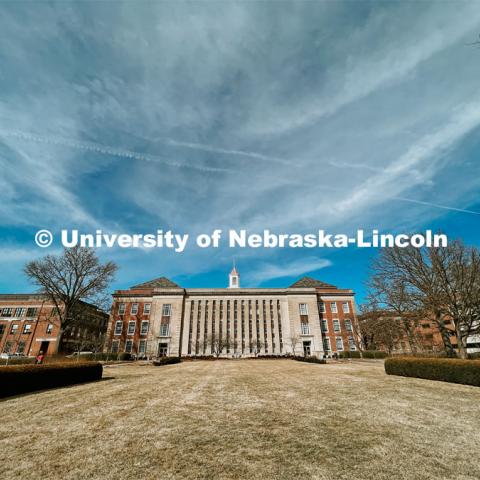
column 107, row 150
column 429, row 204
column 243, row 153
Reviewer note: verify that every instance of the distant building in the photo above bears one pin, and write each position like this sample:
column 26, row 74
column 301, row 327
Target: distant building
column 29, row 324
column 159, row 318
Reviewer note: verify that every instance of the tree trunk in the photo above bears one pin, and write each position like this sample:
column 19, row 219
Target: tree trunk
column 449, row 350
column 58, row 345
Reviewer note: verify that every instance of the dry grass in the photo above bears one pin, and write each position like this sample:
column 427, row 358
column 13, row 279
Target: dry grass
column 247, row 419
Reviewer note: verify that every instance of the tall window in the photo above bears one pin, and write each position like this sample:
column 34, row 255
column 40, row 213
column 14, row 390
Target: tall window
column 336, row 325
column 146, row 308
column 131, row 328
column 303, row 308
column 128, row 346
column 346, row 307
column 20, row 312
column 339, row 343
column 27, row 328
column 49, row 329
column 134, row 309
column 21, row 347
column 164, row 328
column 2, row 330
column 166, row 309
column 14, row 328
column 115, row 346
column 8, row 347
column 348, row 325
column 326, row 344
column 144, row 327
column 333, row 307
column 305, row 328
column 142, row 346
column 321, row 307
column 351, row 344
column 118, row 327
column 324, row 325
column 121, row 308
column 7, row 312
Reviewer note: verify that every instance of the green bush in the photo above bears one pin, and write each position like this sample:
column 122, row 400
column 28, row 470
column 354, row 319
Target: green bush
column 17, row 379
column 167, row 361
column 19, row 361
column 451, row 370
column 355, row 354
column 374, row 354
column 310, row 359
column 124, row 356
column 474, row 356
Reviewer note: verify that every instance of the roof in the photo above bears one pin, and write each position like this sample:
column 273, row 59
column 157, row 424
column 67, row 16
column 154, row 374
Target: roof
column 311, row 283
column 162, row 282
column 234, row 272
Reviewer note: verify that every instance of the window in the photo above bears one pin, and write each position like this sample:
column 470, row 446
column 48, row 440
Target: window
column 49, row 329
column 20, row 312
column 8, row 347
column 7, row 312
column 144, row 327
column 142, row 346
column 346, row 307
column 164, row 330
column 118, row 327
column 305, row 328
column 303, row 308
column 27, row 328
column 339, row 344
column 336, row 325
column 128, row 346
column 31, row 312
column 351, row 344
column 21, row 347
column 333, row 307
column 167, row 309
column 324, row 324
column 146, row 308
column 131, row 328
column 326, row 344
column 14, row 328
column 115, row 346
column 134, row 309
column 321, row 307
column 348, row 325
column 2, row 330
column 121, row 308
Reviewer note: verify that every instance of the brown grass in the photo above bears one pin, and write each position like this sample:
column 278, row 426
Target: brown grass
column 246, row 419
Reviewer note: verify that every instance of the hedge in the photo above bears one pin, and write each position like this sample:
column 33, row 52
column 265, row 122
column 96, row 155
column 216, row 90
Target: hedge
column 17, row 379
column 310, row 359
column 374, row 354
column 167, row 361
column 355, row 354
column 451, row 370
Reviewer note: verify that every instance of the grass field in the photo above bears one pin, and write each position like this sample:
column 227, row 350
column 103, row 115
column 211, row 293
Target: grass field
column 244, row 419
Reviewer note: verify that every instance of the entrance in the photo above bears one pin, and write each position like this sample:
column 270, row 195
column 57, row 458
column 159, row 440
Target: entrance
column 44, row 347
column 306, row 349
column 162, row 349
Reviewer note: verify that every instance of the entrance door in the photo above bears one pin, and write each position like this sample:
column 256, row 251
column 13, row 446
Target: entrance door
column 162, row 349
column 44, row 347
column 306, row 349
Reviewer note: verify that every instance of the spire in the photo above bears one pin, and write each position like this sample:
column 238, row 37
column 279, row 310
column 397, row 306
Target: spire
column 234, row 277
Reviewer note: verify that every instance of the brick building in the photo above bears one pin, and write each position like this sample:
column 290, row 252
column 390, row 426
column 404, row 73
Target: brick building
column 29, row 324
column 160, row 318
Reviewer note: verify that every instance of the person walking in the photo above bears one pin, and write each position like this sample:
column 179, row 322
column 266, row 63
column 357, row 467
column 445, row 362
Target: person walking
column 39, row 358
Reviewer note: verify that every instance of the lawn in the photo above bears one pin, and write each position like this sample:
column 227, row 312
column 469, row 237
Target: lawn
column 244, row 419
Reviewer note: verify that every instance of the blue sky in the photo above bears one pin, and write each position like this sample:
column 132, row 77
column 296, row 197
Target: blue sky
column 192, row 116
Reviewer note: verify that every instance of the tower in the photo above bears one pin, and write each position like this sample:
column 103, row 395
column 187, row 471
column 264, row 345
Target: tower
column 234, row 278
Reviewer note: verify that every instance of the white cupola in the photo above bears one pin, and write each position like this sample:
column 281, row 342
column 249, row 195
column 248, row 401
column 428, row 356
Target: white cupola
column 234, row 278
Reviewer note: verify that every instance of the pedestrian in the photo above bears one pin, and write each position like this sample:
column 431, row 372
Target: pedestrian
column 39, row 358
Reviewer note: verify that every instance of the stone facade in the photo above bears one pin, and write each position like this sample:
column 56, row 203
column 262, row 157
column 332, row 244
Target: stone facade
column 161, row 318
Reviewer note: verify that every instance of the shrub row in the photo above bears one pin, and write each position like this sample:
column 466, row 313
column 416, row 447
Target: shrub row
column 355, row 354
column 310, row 359
column 374, row 354
column 17, row 379
column 167, row 361
column 451, row 370
column 19, row 361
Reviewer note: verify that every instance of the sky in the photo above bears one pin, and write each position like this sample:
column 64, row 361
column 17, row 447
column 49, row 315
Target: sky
column 192, row 116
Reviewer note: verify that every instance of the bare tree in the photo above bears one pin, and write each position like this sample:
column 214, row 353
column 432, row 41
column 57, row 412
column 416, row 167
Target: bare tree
column 294, row 340
column 255, row 345
column 217, row 344
column 69, row 279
